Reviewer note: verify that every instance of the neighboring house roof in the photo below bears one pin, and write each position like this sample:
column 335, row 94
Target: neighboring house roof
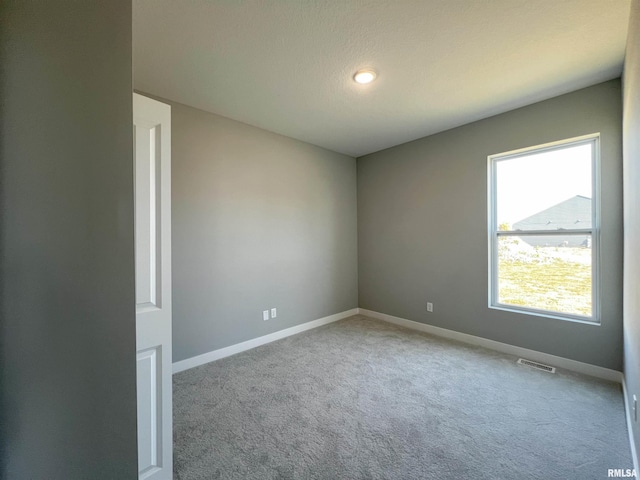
column 570, row 214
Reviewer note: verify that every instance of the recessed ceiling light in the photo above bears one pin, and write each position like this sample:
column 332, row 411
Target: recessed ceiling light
column 365, row 76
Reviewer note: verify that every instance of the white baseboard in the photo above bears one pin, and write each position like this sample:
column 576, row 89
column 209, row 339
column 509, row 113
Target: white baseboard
column 553, row 360
column 628, row 409
column 256, row 342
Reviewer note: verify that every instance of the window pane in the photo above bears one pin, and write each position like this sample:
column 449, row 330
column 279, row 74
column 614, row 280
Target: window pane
column 549, row 190
column 550, row 272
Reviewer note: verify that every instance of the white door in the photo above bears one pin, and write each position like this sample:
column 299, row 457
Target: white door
column 152, row 163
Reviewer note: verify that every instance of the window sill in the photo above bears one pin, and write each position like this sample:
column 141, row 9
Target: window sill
column 538, row 313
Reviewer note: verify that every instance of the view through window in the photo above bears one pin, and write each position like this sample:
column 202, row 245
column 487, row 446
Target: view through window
column 543, row 228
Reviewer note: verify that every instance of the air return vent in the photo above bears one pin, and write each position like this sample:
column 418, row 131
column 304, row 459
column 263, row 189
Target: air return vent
column 536, row 365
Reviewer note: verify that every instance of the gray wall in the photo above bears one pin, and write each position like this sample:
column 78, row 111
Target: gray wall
column 259, row 221
column 422, row 226
column 631, row 142
column 67, row 327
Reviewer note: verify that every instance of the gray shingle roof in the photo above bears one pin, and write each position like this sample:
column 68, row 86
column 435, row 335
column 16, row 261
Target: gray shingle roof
column 573, row 213
column 570, row 214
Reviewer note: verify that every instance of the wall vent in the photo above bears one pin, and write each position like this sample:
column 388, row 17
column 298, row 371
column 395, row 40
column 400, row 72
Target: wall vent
column 536, row 365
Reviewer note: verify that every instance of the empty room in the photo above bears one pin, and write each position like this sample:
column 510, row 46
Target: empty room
column 319, row 239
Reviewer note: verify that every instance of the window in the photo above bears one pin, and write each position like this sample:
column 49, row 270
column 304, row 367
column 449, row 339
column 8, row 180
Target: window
column 543, row 230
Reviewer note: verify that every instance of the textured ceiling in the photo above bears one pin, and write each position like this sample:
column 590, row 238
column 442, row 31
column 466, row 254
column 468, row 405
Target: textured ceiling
column 287, row 65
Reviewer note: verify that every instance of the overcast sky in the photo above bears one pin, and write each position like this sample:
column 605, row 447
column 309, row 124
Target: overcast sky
column 532, row 183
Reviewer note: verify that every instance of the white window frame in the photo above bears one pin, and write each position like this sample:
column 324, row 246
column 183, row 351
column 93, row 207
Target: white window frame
column 594, row 231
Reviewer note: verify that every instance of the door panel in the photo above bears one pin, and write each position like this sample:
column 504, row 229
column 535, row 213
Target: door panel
column 148, row 262
column 149, row 411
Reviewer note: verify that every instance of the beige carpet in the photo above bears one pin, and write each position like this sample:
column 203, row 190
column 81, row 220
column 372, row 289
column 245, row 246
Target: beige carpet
column 363, row 399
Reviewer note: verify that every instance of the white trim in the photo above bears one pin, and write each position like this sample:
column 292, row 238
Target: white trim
column 256, row 342
column 542, row 313
column 561, row 362
column 630, row 422
column 546, row 146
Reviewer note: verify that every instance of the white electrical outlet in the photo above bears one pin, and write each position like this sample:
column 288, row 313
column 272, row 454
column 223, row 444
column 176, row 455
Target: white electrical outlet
column 429, row 307
column 265, row 315
column 274, row 313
